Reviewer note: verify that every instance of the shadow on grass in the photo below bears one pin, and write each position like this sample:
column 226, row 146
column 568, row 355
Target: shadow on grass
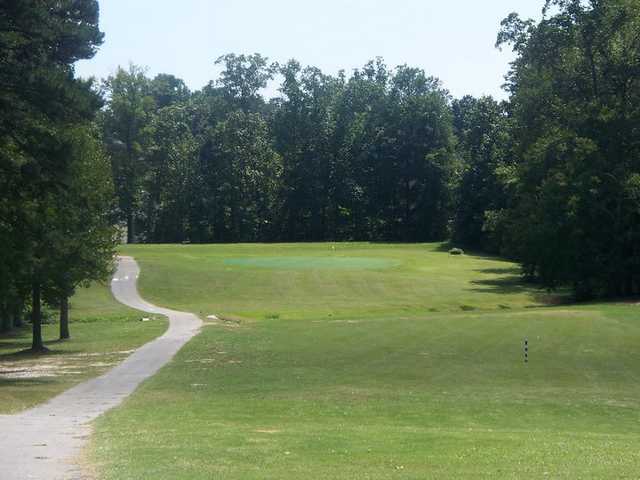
column 17, row 346
column 28, row 354
column 26, row 382
column 501, row 271
column 510, row 282
column 12, row 345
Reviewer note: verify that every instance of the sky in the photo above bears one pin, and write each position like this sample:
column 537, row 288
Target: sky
column 450, row 39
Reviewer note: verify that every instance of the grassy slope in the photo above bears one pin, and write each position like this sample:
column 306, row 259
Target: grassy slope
column 209, row 279
column 382, row 388
column 103, row 332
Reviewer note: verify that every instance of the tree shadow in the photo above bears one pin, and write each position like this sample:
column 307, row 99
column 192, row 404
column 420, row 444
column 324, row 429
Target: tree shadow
column 12, row 345
column 510, row 282
column 28, row 354
column 500, row 271
column 26, row 382
column 21, row 350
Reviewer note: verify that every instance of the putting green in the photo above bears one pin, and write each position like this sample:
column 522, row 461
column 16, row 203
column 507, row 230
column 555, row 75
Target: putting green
column 314, row 263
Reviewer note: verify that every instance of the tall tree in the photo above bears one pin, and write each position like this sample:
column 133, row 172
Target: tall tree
column 576, row 105
column 81, row 232
column 241, row 171
column 243, row 78
column 125, row 124
column 304, row 127
column 39, row 99
column 172, row 181
column 482, row 130
column 168, row 90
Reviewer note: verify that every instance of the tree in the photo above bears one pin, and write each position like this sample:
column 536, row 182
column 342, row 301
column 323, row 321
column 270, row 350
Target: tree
column 168, row 90
column 243, row 77
column 125, row 126
column 241, row 173
column 172, row 182
column 482, row 130
column 576, row 107
column 83, row 238
column 39, row 99
column 304, row 127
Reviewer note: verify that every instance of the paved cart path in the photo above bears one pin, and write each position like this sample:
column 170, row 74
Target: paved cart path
column 45, row 442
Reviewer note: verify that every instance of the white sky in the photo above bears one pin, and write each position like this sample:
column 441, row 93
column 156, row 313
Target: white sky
column 453, row 40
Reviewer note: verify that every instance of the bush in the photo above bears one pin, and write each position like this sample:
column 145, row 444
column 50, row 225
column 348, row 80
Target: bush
column 456, row 251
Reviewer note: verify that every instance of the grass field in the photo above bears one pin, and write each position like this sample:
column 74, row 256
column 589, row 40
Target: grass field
column 103, row 332
column 375, row 362
column 302, row 281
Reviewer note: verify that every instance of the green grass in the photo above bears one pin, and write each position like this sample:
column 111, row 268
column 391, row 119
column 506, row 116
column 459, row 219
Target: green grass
column 333, row 373
column 315, row 281
column 103, row 333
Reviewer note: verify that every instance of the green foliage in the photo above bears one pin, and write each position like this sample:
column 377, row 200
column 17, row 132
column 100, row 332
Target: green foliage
column 51, row 196
column 576, row 107
column 125, row 123
column 368, row 157
column 241, row 175
column 482, row 129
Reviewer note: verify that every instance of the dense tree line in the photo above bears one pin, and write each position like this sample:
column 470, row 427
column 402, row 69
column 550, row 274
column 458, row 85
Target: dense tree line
column 369, row 157
column 55, row 188
column 574, row 217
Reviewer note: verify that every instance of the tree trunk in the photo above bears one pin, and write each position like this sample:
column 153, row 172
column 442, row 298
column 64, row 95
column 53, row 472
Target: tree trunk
column 64, row 318
column 130, row 228
column 36, row 321
column 5, row 324
column 17, row 315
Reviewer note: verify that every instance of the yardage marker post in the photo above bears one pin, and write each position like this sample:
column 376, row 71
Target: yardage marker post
column 526, row 350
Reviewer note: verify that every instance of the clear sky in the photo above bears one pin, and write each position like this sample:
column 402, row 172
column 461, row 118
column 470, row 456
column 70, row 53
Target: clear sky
column 450, row 39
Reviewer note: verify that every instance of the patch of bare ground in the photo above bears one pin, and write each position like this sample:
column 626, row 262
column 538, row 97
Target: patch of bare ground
column 57, row 365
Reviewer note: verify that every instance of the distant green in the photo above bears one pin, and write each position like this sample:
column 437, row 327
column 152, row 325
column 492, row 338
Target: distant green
column 331, row 261
column 376, row 374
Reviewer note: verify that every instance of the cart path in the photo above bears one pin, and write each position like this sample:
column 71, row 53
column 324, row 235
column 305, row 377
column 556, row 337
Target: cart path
column 45, row 442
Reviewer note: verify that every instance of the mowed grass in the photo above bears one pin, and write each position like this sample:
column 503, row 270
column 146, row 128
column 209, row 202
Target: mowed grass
column 103, row 333
column 375, row 391
column 312, row 281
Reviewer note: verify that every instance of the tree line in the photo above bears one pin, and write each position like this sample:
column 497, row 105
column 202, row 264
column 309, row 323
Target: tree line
column 367, row 157
column 550, row 178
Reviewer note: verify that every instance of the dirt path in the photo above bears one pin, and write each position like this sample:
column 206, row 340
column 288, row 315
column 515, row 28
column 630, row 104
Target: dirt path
column 44, row 442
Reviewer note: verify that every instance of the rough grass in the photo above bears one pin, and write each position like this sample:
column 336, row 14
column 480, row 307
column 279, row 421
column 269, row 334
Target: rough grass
column 377, row 393
column 103, row 334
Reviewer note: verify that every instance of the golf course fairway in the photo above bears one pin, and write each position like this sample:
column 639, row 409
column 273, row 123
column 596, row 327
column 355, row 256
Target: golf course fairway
column 375, row 361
